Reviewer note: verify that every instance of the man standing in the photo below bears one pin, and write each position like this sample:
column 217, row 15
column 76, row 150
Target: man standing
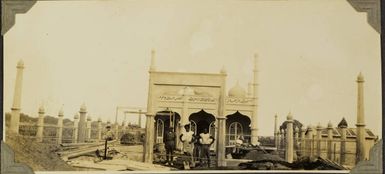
column 187, row 138
column 170, row 145
column 206, row 141
column 109, row 136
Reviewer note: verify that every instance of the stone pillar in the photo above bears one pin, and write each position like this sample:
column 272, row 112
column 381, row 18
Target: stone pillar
column 296, row 136
column 360, row 140
column 15, row 115
column 303, row 140
column 99, row 133
column 149, row 143
column 279, row 135
column 309, row 143
column 221, row 151
column 149, row 131
column 40, row 125
column 82, row 124
column 343, row 146
column 60, row 127
column 221, row 121
column 75, row 128
column 319, row 138
column 88, row 127
column 289, row 148
column 276, row 131
column 330, row 140
column 254, row 118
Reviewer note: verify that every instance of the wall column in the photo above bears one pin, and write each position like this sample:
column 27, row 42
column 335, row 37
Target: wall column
column 99, row 133
column 309, row 137
column 40, row 125
column 254, row 119
column 149, row 143
column 330, row 140
column 303, row 141
column 15, row 114
column 276, row 131
column 343, row 145
column 319, row 138
column 289, row 148
column 221, row 151
column 75, row 128
column 360, row 140
column 60, row 127
column 88, row 127
column 82, row 124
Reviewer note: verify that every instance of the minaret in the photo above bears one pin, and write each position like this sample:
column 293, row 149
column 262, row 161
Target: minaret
column 254, row 120
column 360, row 140
column 289, row 148
column 82, row 124
column 15, row 115
column 75, row 129
column 40, row 125
column 60, row 126
column 148, row 148
column 276, row 130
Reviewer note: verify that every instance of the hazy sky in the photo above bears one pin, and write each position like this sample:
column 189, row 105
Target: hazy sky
column 98, row 52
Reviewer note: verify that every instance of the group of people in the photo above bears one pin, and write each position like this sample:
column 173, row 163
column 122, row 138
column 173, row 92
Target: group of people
column 195, row 147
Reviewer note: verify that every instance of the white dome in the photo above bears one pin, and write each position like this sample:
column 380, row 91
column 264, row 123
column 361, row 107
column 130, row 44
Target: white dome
column 237, row 91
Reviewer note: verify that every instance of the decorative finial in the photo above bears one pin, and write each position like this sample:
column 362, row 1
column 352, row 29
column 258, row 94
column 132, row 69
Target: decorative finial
column 76, row 116
column 276, row 115
column 319, row 125
column 61, row 112
column 360, row 78
column 20, row 64
column 152, row 65
column 330, row 125
column 223, row 70
column 41, row 108
column 83, row 107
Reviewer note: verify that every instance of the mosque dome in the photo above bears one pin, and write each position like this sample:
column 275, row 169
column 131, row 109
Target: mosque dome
column 330, row 124
column 319, row 126
column 237, row 91
column 76, row 116
column 88, row 118
column 343, row 123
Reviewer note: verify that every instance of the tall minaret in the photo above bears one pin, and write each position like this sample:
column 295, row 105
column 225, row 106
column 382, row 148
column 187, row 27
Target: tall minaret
column 360, row 140
column 276, row 130
column 82, row 124
column 254, row 120
column 15, row 115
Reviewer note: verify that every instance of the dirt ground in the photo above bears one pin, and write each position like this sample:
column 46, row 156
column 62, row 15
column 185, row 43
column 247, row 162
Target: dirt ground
column 39, row 156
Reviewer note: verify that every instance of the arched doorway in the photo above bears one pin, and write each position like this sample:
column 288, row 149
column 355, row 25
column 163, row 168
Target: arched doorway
column 200, row 121
column 237, row 125
column 163, row 121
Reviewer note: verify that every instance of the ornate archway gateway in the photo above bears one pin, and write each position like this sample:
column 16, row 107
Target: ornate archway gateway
column 201, row 101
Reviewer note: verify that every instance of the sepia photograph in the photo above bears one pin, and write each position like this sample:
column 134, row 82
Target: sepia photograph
column 192, row 86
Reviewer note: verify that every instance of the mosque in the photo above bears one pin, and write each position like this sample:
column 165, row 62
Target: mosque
column 200, row 100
